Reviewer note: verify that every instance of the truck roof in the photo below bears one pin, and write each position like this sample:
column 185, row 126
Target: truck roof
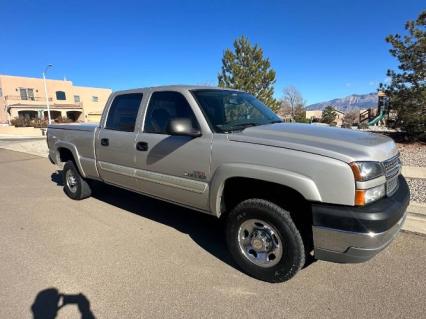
column 177, row 87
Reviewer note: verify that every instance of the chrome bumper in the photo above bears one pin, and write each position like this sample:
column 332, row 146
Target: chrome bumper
column 350, row 234
column 352, row 247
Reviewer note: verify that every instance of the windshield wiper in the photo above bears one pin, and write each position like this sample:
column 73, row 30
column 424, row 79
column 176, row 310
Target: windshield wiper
column 242, row 126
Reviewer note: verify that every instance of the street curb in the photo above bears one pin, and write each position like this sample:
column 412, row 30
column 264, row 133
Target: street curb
column 416, row 219
column 414, row 171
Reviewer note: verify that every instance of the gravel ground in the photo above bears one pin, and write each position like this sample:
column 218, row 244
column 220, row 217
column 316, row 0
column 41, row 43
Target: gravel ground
column 413, row 154
column 417, row 189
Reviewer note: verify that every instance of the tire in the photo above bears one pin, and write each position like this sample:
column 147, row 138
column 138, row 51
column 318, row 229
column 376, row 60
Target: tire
column 75, row 186
column 273, row 251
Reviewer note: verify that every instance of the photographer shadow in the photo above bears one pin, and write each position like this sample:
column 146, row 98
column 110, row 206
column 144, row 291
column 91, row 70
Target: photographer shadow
column 49, row 301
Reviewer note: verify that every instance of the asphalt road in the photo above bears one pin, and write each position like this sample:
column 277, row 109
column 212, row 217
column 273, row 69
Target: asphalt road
column 122, row 255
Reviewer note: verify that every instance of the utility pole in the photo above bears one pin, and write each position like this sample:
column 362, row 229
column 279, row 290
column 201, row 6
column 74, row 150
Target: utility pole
column 45, row 92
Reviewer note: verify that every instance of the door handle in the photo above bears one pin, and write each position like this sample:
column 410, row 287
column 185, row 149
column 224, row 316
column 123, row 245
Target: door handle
column 142, row 146
column 104, row 141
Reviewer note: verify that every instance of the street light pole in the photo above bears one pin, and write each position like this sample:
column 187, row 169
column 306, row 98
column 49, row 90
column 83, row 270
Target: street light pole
column 45, row 92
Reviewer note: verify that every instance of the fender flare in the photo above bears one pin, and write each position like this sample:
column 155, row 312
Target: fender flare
column 300, row 183
column 73, row 150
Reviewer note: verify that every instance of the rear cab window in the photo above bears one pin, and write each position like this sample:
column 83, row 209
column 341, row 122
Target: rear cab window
column 123, row 112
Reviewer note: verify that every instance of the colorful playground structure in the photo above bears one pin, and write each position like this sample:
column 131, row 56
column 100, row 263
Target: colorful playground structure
column 382, row 111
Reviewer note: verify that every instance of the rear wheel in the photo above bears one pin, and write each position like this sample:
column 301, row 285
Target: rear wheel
column 264, row 241
column 75, row 186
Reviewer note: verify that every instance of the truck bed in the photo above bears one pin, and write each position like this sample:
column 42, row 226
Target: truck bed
column 79, row 139
column 90, row 127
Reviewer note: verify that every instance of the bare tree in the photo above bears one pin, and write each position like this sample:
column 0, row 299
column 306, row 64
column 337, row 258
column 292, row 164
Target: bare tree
column 351, row 116
column 292, row 99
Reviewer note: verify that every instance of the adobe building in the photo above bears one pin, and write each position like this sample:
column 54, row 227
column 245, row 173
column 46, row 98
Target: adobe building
column 25, row 97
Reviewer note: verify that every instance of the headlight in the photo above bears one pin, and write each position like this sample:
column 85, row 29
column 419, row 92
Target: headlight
column 364, row 171
column 365, row 196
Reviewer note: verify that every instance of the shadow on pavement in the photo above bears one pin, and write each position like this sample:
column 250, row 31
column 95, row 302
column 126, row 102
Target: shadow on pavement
column 49, row 301
column 57, row 178
column 205, row 230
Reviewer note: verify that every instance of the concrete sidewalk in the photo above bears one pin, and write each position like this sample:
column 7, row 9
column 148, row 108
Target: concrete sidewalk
column 25, row 144
column 20, row 131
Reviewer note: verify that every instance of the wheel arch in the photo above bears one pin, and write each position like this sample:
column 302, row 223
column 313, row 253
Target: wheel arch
column 231, row 176
column 67, row 151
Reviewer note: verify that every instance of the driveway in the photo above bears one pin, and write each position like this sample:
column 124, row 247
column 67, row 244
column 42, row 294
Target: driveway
column 122, row 255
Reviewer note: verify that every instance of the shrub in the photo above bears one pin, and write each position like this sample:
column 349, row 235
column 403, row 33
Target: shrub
column 363, row 126
column 62, row 119
column 39, row 123
column 21, row 122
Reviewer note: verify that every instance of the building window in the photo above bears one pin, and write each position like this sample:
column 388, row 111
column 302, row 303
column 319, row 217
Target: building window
column 76, row 98
column 95, row 99
column 1, row 92
column 26, row 94
column 60, row 95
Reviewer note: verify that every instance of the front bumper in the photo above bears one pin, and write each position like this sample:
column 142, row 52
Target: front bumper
column 349, row 234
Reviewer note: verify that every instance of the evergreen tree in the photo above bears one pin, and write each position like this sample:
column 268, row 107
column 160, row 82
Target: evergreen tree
column 246, row 69
column 407, row 89
column 328, row 115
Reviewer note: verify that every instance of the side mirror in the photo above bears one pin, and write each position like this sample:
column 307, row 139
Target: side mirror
column 182, row 127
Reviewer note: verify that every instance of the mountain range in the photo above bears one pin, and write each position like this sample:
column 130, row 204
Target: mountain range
column 354, row 101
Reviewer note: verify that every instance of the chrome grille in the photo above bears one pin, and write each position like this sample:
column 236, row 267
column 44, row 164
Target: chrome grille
column 392, row 169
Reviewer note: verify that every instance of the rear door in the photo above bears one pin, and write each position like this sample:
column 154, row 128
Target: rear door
column 115, row 143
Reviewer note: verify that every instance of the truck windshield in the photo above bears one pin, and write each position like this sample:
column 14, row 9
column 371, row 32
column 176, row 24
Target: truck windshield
column 229, row 111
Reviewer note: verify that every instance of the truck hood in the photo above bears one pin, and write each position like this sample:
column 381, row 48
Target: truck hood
column 343, row 144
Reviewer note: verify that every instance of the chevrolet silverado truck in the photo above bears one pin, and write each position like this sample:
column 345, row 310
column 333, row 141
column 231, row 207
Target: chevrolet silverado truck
column 285, row 191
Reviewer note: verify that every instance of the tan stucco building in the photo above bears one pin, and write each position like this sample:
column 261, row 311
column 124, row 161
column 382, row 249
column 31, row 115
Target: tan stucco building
column 25, row 97
column 316, row 115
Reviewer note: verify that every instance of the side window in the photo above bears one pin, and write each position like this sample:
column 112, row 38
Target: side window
column 123, row 112
column 165, row 106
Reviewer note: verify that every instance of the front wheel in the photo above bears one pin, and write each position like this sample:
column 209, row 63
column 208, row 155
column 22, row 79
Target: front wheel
column 264, row 241
column 75, row 186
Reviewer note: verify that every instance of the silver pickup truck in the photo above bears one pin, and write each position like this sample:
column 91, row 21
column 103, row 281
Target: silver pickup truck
column 284, row 191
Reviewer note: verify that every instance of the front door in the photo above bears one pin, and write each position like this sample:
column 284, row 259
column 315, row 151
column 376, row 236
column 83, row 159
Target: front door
column 175, row 168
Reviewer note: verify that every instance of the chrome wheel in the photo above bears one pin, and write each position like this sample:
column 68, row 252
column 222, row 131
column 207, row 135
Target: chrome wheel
column 260, row 243
column 71, row 181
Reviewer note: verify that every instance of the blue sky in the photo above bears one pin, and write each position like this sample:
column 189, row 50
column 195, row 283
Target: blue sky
column 325, row 48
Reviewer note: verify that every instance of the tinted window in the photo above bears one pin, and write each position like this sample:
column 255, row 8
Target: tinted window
column 60, row 95
column 123, row 112
column 165, row 106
